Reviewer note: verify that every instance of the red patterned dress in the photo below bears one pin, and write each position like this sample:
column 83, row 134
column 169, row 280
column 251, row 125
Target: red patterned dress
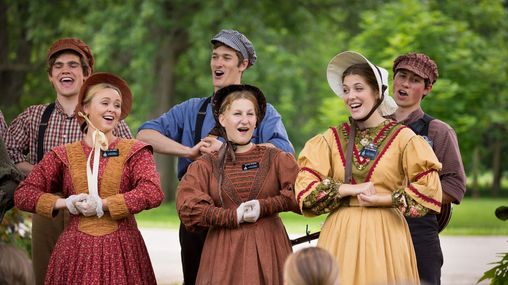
column 249, row 253
column 91, row 250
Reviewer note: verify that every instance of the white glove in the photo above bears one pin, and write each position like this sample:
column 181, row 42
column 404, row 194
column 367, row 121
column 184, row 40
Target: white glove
column 71, row 201
column 91, row 206
column 252, row 211
column 239, row 213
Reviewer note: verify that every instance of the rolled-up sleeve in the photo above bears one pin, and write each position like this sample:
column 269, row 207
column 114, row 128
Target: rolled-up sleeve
column 171, row 123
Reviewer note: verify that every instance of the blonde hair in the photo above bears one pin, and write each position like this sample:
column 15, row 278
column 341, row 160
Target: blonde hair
column 96, row 88
column 311, row 266
column 15, row 266
column 89, row 95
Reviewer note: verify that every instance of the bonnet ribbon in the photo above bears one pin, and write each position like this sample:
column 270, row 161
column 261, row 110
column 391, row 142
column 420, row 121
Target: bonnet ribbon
column 99, row 142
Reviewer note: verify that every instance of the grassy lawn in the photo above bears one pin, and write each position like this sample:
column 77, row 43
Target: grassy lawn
column 476, row 217
column 471, row 217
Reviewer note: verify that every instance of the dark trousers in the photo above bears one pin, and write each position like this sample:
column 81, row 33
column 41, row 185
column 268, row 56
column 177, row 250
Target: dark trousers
column 424, row 232
column 191, row 244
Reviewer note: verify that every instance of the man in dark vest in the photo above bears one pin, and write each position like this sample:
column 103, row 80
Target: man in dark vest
column 414, row 76
column 183, row 130
column 40, row 128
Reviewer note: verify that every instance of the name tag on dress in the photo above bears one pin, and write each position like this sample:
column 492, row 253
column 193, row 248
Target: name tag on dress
column 369, row 151
column 110, row 153
column 250, row 165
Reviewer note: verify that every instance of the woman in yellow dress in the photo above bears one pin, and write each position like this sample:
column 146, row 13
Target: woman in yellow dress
column 393, row 172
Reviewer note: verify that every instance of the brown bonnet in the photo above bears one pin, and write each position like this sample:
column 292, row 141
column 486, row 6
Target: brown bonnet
column 108, row 78
column 221, row 94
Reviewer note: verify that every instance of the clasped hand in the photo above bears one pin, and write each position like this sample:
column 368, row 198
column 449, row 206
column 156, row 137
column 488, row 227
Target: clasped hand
column 248, row 211
column 84, row 204
column 368, row 197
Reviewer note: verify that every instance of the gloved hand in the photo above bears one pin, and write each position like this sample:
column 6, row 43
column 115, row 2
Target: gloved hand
column 252, row 211
column 240, row 212
column 72, row 200
column 92, row 205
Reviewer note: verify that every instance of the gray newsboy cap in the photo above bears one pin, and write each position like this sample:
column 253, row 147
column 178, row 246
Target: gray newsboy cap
column 238, row 42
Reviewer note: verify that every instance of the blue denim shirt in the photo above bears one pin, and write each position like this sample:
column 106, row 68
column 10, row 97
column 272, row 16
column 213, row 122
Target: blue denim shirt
column 179, row 124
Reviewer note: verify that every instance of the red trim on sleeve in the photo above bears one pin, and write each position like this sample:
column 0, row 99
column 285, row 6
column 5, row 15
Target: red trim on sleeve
column 423, row 197
column 420, row 175
column 305, row 191
column 311, row 171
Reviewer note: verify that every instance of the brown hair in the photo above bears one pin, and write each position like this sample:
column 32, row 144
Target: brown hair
column 364, row 70
column 15, row 266
column 426, row 81
column 311, row 265
column 238, row 54
column 85, row 64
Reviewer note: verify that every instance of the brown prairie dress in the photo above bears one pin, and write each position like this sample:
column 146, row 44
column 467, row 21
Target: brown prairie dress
column 249, row 253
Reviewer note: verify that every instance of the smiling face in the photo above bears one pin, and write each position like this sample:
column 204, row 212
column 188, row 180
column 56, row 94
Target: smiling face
column 66, row 75
column 103, row 107
column 359, row 96
column 239, row 119
column 409, row 89
column 226, row 68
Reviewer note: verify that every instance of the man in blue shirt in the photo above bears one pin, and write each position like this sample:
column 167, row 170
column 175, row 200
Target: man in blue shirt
column 183, row 130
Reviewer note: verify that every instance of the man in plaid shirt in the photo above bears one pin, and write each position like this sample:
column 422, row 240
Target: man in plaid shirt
column 69, row 63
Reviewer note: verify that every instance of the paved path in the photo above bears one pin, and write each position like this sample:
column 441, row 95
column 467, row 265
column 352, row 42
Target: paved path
column 466, row 258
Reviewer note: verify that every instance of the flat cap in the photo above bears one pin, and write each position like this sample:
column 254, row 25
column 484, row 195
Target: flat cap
column 419, row 63
column 238, row 42
column 73, row 44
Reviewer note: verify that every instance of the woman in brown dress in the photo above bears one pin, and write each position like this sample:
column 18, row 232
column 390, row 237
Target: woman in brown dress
column 238, row 194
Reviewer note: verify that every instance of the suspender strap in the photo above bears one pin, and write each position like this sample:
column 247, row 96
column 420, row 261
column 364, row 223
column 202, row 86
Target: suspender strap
column 42, row 130
column 421, row 126
column 200, row 119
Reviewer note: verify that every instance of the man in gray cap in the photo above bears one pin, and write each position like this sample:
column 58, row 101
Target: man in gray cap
column 183, row 130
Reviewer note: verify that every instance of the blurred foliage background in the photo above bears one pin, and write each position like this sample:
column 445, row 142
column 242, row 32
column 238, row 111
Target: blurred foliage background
column 162, row 48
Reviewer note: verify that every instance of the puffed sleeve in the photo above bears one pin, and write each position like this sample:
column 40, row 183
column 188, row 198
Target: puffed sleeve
column 195, row 207
column 287, row 170
column 315, row 167
column 34, row 193
column 424, row 188
column 145, row 189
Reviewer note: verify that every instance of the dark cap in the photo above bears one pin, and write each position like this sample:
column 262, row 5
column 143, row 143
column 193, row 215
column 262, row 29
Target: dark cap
column 419, row 63
column 238, row 42
column 73, row 44
column 108, row 78
column 221, row 94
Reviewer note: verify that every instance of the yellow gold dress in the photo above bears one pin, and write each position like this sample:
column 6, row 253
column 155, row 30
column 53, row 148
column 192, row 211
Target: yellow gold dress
column 372, row 245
